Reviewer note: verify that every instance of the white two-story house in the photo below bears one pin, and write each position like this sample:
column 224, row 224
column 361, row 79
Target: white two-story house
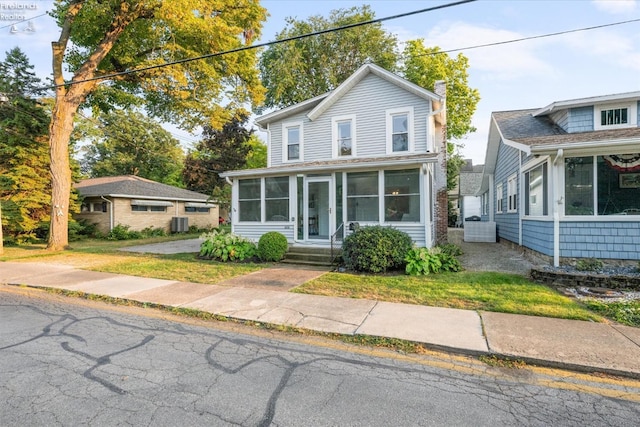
column 371, row 152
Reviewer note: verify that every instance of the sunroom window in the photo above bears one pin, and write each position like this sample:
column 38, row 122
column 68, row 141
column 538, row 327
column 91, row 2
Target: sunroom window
column 276, row 198
column 249, row 202
column 609, row 183
column 362, row 196
column 402, row 195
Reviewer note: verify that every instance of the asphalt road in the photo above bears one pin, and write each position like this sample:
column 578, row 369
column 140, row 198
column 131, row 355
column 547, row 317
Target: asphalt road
column 69, row 362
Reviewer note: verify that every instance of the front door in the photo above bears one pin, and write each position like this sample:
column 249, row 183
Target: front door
column 318, row 210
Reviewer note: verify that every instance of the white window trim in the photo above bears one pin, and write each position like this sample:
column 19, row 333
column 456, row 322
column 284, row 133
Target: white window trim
column 334, row 135
column 499, row 198
column 285, row 142
column 389, row 124
column 632, row 115
column 512, row 190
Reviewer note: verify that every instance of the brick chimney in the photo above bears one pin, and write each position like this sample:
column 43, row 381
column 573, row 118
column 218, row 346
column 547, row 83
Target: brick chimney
column 440, row 180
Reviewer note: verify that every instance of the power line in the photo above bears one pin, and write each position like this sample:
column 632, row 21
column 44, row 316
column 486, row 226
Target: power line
column 259, row 45
column 540, row 36
column 23, row 20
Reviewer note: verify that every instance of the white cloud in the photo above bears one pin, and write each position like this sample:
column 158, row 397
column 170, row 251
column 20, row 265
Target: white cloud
column 608, row 46
column 505, row 61
column 615, row 6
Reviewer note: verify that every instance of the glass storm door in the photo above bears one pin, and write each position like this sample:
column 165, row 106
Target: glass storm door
column 318, row 222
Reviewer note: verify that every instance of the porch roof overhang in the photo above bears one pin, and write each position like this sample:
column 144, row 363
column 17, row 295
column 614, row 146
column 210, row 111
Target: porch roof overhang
column 336, row 166
column 631, row 145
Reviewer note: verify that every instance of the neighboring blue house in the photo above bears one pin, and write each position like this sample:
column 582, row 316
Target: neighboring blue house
column 564, row 180
column 371, row 151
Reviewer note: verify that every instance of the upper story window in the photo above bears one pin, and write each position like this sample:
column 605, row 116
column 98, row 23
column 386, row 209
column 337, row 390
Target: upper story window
column 400, row 130
column 615, row 116
column 292, row 138
column 499, row 199
column 343, row 131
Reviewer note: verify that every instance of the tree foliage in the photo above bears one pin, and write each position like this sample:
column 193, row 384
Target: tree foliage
column 219, row 151
column 298, row 70
column 24, row 181
column 129, row 143
column 426, row 65
column 101, row 38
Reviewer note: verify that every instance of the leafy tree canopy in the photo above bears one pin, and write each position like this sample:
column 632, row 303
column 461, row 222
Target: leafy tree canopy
column 298, row 70
column 24, row 160
column 101, row 37
column 129, row 143
column 425, row 65
column 219, row 151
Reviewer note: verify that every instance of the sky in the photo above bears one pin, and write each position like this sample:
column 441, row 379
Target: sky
column 519, row 75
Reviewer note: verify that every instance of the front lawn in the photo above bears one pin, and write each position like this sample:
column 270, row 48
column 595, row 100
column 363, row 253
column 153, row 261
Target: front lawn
column 506, row 293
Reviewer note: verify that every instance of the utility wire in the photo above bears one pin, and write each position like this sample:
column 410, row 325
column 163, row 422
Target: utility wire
column 259, row 45
column 23, row 20
column 540, row 36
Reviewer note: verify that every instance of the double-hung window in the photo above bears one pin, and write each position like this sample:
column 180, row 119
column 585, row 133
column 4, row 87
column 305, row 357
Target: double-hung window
column 292, row 138
column 535, row 191
column 499, row 199
column 343, row 130
column 399, row 130
column 402, row 195
column 512, row 194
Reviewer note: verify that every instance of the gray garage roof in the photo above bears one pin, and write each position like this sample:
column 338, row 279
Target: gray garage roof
column 130, row 186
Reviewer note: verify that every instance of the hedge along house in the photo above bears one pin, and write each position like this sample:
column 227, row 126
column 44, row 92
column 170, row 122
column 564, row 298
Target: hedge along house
column 372, row 152
column 564, row 180
column 141, row 203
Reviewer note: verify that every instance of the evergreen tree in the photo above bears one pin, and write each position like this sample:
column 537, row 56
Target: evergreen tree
column 24, row 152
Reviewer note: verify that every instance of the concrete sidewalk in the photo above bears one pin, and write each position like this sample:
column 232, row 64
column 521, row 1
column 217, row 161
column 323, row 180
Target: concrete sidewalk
column 259, row 297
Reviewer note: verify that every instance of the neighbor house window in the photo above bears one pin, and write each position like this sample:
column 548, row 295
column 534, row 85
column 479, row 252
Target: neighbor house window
column 194, row 209
column 276, row 198
column 402, row 195
column 399, row 130
column 536, row 194
column 292, row 141
column 512, row 194
column 249, row 200
column 362, row 196
column 615, row 116
column 602, row 185
column 138, row 208
column 499, row 199
column 343, row 135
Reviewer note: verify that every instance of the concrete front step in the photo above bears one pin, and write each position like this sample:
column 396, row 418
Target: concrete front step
column 309, row 256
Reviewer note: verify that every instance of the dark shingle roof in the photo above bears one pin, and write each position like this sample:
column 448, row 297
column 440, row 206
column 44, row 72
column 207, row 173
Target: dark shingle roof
column 470, row 182
column 135, row 186
column 522, row 127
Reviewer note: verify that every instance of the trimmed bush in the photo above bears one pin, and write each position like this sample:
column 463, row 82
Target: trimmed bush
column 376, row 249
column 226, row 247
column 272, row 246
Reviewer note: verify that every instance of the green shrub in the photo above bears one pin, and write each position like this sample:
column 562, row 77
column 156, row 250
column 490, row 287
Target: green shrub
column 272, row 246
column 375, row 249
column 451, row 249
column 589, row 264
column 121, row 232
column 153, row 232
column 226, row 247
column 426, row 261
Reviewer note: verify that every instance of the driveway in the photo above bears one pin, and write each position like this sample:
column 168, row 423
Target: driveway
column 174, row 247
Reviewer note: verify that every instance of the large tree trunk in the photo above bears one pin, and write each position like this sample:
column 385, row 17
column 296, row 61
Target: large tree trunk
column 59, row 135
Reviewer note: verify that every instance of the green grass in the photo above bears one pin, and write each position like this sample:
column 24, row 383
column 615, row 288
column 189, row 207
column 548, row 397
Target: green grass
column 505, row 293
column 625, row 312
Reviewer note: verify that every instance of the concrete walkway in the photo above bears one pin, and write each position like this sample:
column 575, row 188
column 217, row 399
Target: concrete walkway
column 584, row 346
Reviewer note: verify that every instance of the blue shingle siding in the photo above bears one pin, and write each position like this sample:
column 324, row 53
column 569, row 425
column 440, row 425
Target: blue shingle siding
column 538, row 235
column 561, row 118
column 506, row 165
column 604, row 240
column 638, row 110
column 580, row 119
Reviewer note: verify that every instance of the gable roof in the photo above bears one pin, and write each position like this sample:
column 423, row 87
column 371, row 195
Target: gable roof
column 582, row 102
column 130, row 186
column 321, row 103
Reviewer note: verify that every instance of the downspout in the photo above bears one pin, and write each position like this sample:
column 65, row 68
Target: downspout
column 520, row 203
column 556, row 211
column 110, row 212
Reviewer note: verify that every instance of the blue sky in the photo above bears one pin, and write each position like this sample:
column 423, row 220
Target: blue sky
column 525, row 74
